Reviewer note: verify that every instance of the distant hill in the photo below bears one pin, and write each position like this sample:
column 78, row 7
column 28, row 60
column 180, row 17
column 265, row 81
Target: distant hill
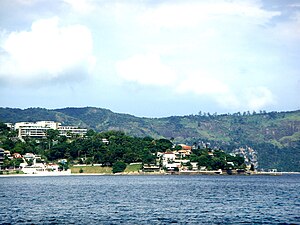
column 274, row 135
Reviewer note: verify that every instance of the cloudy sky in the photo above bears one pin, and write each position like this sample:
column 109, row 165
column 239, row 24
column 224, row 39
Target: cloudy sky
column 151, row 58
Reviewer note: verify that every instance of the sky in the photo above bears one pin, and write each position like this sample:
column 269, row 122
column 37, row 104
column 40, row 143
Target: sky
column 151, row 58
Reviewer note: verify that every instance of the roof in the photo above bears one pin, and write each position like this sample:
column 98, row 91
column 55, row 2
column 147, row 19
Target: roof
column 185, row 147
column 17, row 155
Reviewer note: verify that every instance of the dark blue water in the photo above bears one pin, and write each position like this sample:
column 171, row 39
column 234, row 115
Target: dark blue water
column 150, row 200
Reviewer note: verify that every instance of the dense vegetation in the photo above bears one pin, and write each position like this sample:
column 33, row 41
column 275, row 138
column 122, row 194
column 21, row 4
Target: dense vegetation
column 111, row 148
column 91, row 149
column 274, row 135
column 217, row 161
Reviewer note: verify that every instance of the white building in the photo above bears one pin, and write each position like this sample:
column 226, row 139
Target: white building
column 167, row 158
column 9, row 125
column 35, row 129
column 45, row 124
column 173, row 166
column 40, row 168
column 39, row 129
column 71, row 130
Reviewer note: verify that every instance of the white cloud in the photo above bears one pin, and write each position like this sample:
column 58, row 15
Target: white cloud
column 215, row 88
column 190, row 14
column 210, row 86
column 229, row 101
column 288, row 30
column 27, row 2
column 81, row 6
column 45, row 52
column 202, row 83
column 259, row 97
column 200, row 51
column 251, row 98
column 146, row 69
column 294, row 5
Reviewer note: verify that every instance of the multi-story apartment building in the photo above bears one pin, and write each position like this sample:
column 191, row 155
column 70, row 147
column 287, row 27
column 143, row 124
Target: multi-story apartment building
column 71, row 130
column 35, row 129
column 39, row 129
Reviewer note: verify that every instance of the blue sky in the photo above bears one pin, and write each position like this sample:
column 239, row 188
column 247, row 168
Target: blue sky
column 151, row 58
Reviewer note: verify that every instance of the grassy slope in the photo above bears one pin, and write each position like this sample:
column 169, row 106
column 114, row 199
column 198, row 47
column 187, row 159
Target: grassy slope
column 133, row 168
column 92, row 169
column 104, row 170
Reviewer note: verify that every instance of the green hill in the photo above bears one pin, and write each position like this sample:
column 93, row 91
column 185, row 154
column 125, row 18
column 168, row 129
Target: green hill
column 274, row 135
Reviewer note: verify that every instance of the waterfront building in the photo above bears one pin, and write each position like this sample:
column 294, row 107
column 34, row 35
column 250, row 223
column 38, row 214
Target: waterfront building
column 1, row 157
column 167, row 158
column 151, row 168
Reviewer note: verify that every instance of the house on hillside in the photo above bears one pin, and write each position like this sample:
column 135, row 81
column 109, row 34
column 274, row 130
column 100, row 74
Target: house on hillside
column 17, row 156
column 186, row 147
column 105, row 141
column 7, row 154
column 184, row 153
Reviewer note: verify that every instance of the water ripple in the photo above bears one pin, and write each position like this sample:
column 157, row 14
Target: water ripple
column 150, row 200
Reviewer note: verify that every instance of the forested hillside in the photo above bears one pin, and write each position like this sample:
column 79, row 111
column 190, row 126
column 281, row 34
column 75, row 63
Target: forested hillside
column 274, row 135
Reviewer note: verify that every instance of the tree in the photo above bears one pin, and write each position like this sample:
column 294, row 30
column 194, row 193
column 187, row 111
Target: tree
column 163, row 144
column 51, row 136
column 58, row 151
column 16, row 162
column 90, row 133
column 218, row 163
column 189, row 165
column 3, row 128
column 238, row 160
column 148, row 158
column 193, row 158
column 118, row 167
column 29, row 162
column 63, row 165
column 178, row 147
column 204, row 160
column 19, row 147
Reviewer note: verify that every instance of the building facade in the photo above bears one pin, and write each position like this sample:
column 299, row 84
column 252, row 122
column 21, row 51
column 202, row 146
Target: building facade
column 1, row 157
column 39, row 129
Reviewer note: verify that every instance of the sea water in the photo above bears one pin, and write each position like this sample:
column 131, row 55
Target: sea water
column 150, row 200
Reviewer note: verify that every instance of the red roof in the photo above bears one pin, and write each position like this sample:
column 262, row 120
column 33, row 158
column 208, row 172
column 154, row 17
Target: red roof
column 186, row 147
column 17, row 155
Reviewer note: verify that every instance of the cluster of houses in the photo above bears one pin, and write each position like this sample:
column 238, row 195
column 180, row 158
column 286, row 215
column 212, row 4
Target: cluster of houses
column 250, row 156
column 174, row 161
column 177, row 160
column 33, row 164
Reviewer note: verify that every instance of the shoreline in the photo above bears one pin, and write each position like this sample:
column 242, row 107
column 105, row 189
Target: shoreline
column 207, row 173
